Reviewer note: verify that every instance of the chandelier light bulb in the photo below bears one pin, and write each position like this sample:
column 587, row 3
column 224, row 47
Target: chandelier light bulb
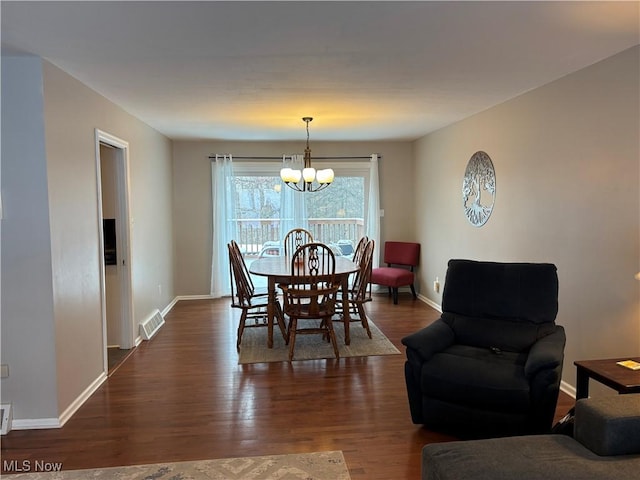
column 290, row 175
column 309, row 174
column 325, row 176
column 285, row 174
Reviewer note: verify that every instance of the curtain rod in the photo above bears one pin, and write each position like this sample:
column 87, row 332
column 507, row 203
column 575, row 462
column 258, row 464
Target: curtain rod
column 238, row 157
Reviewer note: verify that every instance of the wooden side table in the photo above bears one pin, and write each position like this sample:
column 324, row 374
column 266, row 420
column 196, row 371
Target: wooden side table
column 621, row 379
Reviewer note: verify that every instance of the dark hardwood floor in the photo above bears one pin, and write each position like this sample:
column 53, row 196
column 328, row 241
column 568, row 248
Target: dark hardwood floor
column 183, row 396
column 115, row 358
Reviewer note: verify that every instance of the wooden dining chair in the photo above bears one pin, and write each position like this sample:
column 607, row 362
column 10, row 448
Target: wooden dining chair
column 309, row 300
column 245, row 297
column 359, row 251
column 359, row 291
column 296, row 238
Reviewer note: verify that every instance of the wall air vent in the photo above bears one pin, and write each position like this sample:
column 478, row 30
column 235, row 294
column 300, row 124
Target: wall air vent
column 5, row 418
column 150, row 326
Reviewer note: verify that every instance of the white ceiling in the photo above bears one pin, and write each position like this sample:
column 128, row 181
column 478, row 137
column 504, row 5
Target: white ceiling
column 363, row 70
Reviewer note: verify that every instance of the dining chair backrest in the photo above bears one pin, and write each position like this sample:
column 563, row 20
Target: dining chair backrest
column 313, row 261
column 296, row 238
column 242, row 288
column 359, row 251
column 362, row 281
column 313, row 279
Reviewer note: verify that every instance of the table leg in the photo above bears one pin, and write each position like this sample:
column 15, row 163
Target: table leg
column 345, row 309
column 271, row 310
column 582, row 383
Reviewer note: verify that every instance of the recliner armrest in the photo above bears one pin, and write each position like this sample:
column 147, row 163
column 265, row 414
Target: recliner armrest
column 546, row 353
column 430, row 340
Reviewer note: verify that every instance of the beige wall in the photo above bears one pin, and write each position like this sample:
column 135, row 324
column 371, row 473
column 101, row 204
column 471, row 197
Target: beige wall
column 566, row 157
column 192, row 208
column 27, row 289
column 72, row 113
column 53, row 313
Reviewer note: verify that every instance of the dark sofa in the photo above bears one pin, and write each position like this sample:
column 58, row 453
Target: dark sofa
column 606, row 446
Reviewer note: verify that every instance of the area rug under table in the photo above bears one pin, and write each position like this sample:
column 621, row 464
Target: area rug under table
column 253, row 348
column 299, row 466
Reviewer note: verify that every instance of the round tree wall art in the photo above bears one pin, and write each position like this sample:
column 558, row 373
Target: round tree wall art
column 479, row 189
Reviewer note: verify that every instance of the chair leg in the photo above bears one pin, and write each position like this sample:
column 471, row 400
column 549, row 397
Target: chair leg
column 395, row 296
column 389, row 290
column 293, row 324
column 332, row 336
column 325, row 335
column 280, row 320
column 363, row 319
column 413, row 292
column 243, row 319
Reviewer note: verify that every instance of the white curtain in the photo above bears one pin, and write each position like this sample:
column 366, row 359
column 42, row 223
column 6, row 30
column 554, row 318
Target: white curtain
column 293, row 204
column 224, row 223
column 373, row 212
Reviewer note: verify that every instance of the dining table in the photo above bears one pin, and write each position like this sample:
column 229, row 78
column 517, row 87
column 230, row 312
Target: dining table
column 277, row 269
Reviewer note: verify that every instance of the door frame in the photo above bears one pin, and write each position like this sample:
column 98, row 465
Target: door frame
column 127, row 334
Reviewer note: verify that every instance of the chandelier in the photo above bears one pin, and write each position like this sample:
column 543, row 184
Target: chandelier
column 291, row 177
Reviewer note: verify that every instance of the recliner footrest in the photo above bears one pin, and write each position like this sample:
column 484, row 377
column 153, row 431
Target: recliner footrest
column 609, row 425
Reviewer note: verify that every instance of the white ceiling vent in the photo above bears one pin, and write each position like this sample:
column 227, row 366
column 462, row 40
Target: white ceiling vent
column 150, row 326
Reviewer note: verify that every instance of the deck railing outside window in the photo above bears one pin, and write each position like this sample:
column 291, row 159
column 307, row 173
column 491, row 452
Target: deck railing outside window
column 254, row 233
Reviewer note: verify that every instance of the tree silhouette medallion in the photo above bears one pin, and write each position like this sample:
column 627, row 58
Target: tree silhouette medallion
column 479, row 189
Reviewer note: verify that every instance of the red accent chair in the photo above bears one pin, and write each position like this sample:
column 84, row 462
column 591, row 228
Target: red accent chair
column 401, row 258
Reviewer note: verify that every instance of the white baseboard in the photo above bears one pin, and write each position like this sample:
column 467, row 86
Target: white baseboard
column 35, row 423
column 43, row 423
column 83, row 397
column 168, row 308
column 430, row 302
column 568, row 389
column 193, row 297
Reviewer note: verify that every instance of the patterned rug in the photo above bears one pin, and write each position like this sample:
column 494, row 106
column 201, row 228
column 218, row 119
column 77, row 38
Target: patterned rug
column 253, row 348
column 301, row 466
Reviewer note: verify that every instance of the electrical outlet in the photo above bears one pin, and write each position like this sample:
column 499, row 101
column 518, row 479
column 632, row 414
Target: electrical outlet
column 4, row 371
column 436, row 285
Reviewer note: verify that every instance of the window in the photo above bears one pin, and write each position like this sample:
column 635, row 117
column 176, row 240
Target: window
column 263, row 209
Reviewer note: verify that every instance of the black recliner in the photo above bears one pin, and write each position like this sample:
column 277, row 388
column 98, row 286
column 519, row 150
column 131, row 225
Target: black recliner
column 491, row 365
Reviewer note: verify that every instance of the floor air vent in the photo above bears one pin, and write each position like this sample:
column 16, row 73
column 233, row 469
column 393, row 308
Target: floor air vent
column 150, row 326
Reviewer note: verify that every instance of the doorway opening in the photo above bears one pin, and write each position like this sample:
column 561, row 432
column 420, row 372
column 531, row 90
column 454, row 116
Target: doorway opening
column 112, row 161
